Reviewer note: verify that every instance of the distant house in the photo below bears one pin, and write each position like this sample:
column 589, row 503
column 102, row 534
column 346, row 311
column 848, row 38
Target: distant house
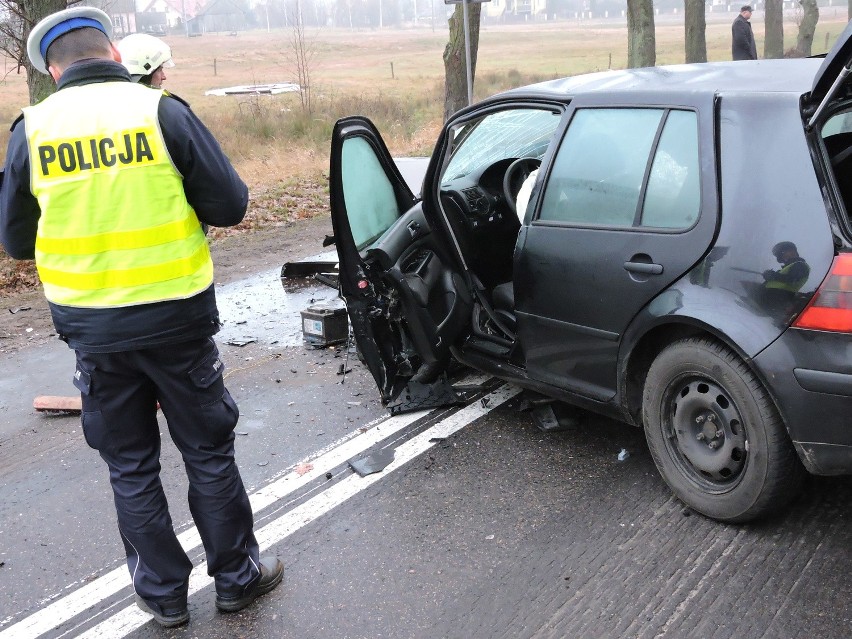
column 228, row 16
column 123, row 15
column 164, row 15
column 514, row 10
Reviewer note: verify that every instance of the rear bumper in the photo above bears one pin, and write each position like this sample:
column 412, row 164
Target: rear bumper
column 809, row 374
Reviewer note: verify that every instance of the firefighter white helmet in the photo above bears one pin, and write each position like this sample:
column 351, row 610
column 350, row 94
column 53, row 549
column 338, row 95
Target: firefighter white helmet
column 143, row 54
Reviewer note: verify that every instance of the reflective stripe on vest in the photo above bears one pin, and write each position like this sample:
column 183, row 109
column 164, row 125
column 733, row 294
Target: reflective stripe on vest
column 115, row 227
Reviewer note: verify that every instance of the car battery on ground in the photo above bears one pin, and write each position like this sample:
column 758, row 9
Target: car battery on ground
column 325, row 323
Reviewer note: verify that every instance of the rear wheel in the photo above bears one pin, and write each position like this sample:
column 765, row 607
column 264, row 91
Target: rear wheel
column 715, row 434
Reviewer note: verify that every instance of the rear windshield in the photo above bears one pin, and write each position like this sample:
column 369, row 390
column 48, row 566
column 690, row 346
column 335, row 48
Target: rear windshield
column 837, row 137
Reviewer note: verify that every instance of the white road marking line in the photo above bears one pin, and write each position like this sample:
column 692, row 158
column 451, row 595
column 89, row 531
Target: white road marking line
column 107, row 585
column 65, row 608
column 131, row 618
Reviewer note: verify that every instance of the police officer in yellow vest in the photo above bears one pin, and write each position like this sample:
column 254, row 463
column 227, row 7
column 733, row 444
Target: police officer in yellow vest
column 107, row 184
column 794, row 271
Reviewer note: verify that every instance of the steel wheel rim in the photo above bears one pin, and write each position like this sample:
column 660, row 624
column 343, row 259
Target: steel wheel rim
column 705, row 434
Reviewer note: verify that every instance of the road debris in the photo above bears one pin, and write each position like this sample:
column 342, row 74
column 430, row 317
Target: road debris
column 623, row 454
column 58, row 404
column 303, row 468
column 552, row 416
column 373, row 463
column 241, row 342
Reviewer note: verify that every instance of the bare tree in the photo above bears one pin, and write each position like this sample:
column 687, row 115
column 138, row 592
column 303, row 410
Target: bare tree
column 302, row 53
column 455, row 67
column 14, row 31
column 807, row 27
column 773, row 45
column 641, row 39
column 695, row 25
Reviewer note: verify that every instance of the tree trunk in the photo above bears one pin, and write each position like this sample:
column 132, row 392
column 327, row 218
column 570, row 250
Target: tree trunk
column 810, row 17
column 455, row 67
column 773, row 45
column 695, row 26
column 31, row 11
column 641, row 43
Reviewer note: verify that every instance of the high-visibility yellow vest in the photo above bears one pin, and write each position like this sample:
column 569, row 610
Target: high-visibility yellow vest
column 115, row 227
column 793, row 286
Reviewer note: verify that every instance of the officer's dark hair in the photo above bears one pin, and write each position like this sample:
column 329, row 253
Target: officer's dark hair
column 146, row 79
column 79, row 44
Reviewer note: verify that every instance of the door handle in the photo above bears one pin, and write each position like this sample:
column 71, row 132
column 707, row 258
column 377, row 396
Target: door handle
column 644, row 268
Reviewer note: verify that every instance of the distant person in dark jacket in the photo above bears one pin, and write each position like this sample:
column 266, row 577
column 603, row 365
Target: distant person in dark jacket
column 742, row 43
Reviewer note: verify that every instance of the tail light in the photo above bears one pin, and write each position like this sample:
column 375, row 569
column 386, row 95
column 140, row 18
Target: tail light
column 831, row 307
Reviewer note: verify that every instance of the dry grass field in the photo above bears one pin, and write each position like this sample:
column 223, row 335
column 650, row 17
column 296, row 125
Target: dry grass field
column 393, row 76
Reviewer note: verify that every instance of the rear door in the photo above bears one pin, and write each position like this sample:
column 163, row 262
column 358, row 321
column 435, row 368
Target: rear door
column 628, row 206
column 406, row 306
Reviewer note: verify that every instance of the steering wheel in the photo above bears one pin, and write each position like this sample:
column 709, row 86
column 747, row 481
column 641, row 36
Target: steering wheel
column 514, row 178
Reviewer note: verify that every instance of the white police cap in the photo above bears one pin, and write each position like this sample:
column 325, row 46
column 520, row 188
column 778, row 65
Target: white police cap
column 60, row 23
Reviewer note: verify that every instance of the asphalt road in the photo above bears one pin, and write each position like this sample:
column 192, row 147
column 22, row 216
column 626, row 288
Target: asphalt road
column 483, row 526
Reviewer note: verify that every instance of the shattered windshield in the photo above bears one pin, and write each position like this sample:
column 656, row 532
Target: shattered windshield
column 514, row 133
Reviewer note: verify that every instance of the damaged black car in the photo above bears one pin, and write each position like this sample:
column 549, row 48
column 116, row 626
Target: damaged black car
column 669, row 246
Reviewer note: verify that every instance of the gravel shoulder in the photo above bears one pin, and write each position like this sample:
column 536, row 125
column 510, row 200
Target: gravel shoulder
column 25, row 317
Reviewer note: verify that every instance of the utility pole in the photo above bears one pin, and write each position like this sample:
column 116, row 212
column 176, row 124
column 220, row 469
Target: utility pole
column 183, row 17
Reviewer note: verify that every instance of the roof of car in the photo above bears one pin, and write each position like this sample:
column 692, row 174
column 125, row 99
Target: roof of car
column 758, row 76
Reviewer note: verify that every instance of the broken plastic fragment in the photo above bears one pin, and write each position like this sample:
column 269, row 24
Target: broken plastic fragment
column 623, row 454
column 372, row 463
column 241, row 342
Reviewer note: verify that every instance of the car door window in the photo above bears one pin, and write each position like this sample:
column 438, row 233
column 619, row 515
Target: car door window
column 673, row 194
column 371, row 203
column 598, row 172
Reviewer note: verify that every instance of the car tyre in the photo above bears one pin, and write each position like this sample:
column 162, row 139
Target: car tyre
column 715, row 434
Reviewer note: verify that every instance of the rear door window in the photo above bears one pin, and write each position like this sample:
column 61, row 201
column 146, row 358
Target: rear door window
column 673, row 195
column 626, row 167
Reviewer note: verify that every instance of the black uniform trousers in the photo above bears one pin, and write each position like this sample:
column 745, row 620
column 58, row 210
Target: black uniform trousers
column 120, row 392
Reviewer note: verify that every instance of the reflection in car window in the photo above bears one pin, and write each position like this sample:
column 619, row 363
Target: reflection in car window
column 368, row 193
column 673, row 194
column 597, row 174
column 514, row 133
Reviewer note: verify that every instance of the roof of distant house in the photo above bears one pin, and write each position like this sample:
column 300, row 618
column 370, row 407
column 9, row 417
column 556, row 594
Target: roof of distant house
column 191, row 7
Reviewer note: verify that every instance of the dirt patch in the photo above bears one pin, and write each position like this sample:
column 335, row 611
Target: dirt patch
column 25, row 317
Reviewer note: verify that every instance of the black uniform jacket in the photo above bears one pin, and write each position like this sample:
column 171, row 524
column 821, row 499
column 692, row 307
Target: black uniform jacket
column 212, row 188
